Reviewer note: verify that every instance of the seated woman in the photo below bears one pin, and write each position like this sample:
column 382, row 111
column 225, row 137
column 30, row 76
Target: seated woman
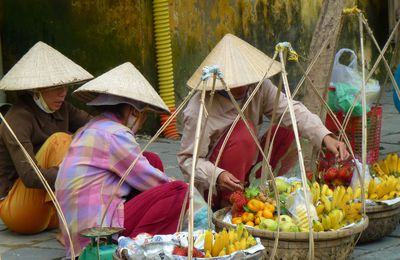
column 103, row 150
column 42, row 121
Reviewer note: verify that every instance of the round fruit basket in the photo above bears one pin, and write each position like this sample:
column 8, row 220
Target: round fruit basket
column 383, row 220
column 294, row 245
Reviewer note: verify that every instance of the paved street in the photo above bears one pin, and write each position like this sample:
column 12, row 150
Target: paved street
column 44, row 246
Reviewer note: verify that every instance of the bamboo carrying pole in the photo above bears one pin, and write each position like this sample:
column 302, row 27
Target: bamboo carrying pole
column 44, row 182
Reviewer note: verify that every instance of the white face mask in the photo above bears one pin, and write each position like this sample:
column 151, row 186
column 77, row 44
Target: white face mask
column 37, row 97
column 133, row 123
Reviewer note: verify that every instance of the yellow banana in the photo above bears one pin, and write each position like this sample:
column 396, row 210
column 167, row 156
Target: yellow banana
column 383, row 166
column 395, row 161
column 398, row 167
column 350, row 192
column 231, row 249
column 223, row 252
column 251, row 241
column 357, row 193
column 208, row 241
column 320, row 208
column 372, row 186
column 317, row 192
column 217, row 245
column 208, row 254
column 377, row 169
column 340, row 196
column 327, row 203
column 317, row 226
column 335, row 197
column 329, row 192
column 325, row 223
column 323, row 189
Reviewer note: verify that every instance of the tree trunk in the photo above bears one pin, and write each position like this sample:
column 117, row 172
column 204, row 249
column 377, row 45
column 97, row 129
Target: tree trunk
column 320, row 74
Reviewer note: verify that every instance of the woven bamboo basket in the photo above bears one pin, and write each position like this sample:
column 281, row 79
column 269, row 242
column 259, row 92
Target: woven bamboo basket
column 383, row 220
column 294, row 245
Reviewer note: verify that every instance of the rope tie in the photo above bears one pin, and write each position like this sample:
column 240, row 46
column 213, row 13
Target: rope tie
column 208, row 71
column 351, row 10
column 293, row 56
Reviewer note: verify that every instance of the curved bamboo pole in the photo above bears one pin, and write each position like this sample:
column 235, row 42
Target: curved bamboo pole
column 193, row 172
column 212, row 183
column 45, row 184
column 364, row 109
column 300, row 154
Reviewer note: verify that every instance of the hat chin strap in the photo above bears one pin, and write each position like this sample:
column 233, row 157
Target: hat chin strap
column 37, row 97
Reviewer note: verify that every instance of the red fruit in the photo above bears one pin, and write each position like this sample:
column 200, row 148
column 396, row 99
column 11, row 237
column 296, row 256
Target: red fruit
column 331, row 174
column 346, row 173
column 238, row 201
column 183, row 251
column 178, row 250
column 309, row 175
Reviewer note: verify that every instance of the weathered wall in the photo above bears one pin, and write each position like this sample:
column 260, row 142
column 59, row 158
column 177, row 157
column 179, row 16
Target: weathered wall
column 100, row 34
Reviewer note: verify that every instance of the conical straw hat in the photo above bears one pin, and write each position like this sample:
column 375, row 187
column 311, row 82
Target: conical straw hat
column 43, row 66
column 241, row 64
column 123, row 81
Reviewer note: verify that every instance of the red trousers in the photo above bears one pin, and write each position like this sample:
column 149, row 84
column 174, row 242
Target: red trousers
column 240, row 152
column 157, row 210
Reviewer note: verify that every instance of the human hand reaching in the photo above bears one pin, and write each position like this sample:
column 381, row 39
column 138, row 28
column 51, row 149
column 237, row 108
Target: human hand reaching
column 336, row 147
column 226, row 181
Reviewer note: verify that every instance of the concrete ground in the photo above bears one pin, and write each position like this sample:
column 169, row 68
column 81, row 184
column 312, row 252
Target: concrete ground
column 44, row 246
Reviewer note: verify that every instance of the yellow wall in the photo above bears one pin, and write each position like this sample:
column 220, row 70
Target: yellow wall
column 100, row 34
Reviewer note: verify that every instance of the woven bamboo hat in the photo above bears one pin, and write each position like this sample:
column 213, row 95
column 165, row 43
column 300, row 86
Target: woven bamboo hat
column 241, row 63
column 43, row 66
column 123, row 81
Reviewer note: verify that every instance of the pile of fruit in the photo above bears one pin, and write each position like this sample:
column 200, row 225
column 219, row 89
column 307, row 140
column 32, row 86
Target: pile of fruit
column 221, row 244
column 384, row 188
column 335, row 208
column 226, row 242
column 388, row 166
column 336, row 174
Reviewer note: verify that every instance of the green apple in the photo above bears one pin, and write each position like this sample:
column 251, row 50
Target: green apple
column 285, row 218
column 269, row 224
column 281, row 185
column 289, row 227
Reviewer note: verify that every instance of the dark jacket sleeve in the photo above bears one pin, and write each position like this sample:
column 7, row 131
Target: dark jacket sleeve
column 77, row 118
column 21, row 163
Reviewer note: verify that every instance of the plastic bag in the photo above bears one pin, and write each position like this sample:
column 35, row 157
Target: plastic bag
column 350, row 75
column 200, row 213
column 355, row 180
column 296, row 204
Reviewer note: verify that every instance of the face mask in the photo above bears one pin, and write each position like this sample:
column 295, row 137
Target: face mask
column 134, row 123
column 37, row 97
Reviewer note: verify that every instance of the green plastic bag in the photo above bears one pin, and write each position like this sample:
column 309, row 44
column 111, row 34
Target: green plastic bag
column 345, row 95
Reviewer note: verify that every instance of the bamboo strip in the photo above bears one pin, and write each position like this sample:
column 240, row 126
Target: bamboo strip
column 162, row 128
column 44, row 182
column 364, row 109
column 299, row 151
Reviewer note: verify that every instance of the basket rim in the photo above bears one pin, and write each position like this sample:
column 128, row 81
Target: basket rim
column 381, row 207
column 290, row 236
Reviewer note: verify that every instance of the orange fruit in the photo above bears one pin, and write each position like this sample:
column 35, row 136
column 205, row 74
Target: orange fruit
column 250, row 223
column 268, row 214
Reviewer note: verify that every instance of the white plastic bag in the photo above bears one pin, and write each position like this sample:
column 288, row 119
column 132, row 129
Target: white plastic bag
column 355, row 180
column 350, row 74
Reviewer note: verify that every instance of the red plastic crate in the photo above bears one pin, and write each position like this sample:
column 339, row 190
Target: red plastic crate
column 353, row 132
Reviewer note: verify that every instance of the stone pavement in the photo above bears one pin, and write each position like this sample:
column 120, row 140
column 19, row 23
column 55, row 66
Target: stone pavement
column 44, row 246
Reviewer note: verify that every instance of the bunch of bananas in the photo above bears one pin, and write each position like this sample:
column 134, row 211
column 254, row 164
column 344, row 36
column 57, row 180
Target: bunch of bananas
column 226, row 242
column 335, row 208
column 384, row 188
column 388, row 166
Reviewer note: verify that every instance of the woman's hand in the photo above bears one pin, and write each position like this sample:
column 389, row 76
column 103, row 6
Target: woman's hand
column 226, row 181
column 336, row 147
